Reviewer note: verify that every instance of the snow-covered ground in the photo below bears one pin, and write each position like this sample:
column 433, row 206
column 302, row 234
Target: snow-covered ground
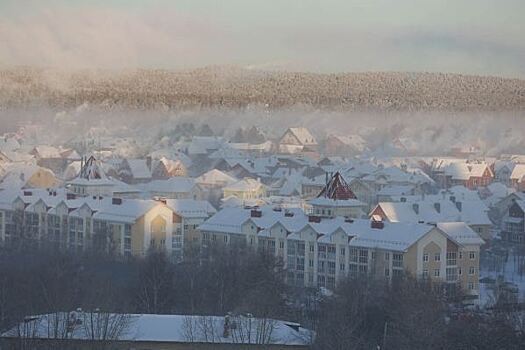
column 505, row 266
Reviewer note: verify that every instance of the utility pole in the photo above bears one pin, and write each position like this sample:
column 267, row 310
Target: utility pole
column 383, row 346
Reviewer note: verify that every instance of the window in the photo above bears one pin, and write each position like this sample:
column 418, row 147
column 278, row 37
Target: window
column 425, row 257
column 310, row 263
column 387, row 272
column 472, row 255
column 451, row 258
column 225, row 239
column 342, row 251
column 300, row 264
column 342, row 267
column 425, row 273
column 436, row 272
column 363, row 256
column 331, row 268
column 471, row 286
column 353, row 255
column 471, row 270
column 437, row 257
column 281, row 245
column 312, row 248
column 387, row 256
column 397, row 260
column 460, row 271
column 460, row 255
column 452, row 275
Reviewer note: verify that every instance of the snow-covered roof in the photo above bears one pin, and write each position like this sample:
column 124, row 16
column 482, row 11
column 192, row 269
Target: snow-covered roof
column 343, row 203
column 190, row 208
column 168, row 328
column 518, row 172
column 393, row 236
column 176, row 184
column 17, row 174
column 139, row 168
column 215, row 177
column 355, row 141
column 460, row 233
column 472, row 212
column 244, row 185
column 303, row 135
column 464, row 171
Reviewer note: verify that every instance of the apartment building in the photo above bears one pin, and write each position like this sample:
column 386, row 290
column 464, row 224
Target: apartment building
column 114, row 225
column 318, row 252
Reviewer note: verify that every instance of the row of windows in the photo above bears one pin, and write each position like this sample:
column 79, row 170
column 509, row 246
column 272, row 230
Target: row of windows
column 451, row 257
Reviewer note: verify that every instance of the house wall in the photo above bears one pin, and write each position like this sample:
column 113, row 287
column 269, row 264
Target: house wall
column 42, row 179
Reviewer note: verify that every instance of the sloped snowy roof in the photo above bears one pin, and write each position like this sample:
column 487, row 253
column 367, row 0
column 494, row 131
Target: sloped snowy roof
column 246, row 184
column 215, row 177
column 18, row 174
column 303, row 135
column 139, row 168
column 177, row 184
column 472, row 212
column 168, row 328
column 518, row 172
column 190, row 208
column 460, row 232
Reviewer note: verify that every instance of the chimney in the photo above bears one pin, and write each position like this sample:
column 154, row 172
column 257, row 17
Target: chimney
column 415, row 206
column 437, row 206
column 314, row 218
column 226, row 331
column 148, row 162
column 160, row 199
column 403, row 199
column 288, row 214
column 379, row 225
column 459, row 206
column 116, row 201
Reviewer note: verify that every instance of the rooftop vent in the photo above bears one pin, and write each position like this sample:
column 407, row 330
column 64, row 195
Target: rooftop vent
column 415, row 206
column 256, row 213
column 377, row 224
column 437, row 206
column 314, row 218
column 288, row 214
column 28, row 193
column 459, row 206
column 116, row 201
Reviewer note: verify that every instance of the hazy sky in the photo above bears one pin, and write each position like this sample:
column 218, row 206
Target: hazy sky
column 464, row 36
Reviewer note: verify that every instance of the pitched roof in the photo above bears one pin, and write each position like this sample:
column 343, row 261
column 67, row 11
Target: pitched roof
column 337, row 189
column 216, row 178
column 460, row 233
column 190, row 208
column 472, row 212
column 303, row 135
column 246, row 184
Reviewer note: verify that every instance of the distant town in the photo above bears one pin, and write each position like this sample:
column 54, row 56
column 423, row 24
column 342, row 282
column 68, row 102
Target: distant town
column 328, row 209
